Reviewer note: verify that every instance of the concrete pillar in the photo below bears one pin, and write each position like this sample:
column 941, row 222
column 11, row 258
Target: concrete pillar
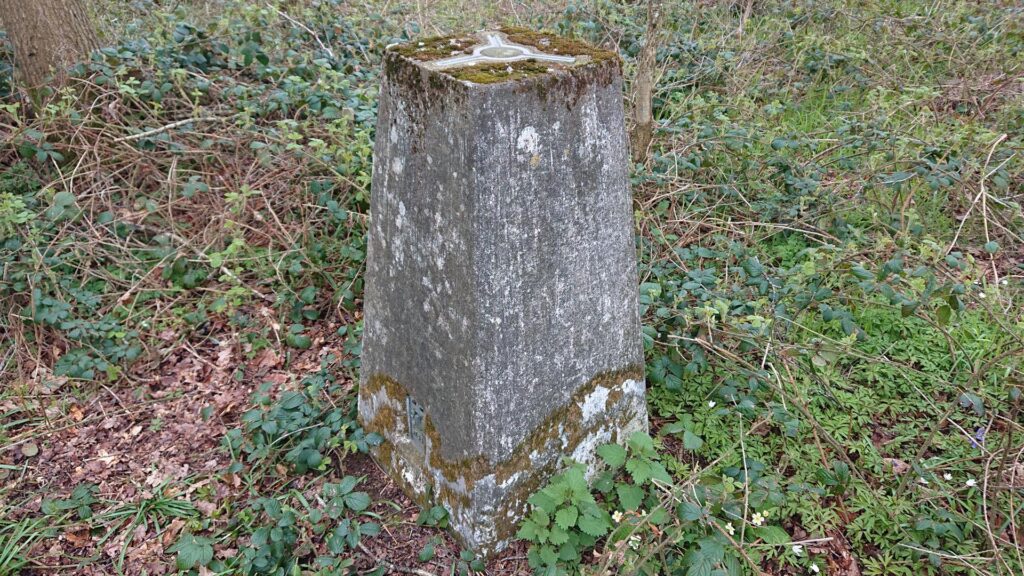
column 501, row 320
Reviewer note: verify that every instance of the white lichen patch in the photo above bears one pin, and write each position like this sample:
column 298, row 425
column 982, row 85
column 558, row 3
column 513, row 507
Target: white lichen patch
column 529, row 141
column 585, row 450
column 594, row 404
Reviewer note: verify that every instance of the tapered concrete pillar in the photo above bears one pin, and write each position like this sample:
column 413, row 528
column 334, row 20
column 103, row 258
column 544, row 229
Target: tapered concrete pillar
column 501, row 321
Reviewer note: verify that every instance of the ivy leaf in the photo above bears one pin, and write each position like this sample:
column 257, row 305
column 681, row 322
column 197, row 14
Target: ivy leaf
column 630, row 496
column 192, row 551
column 613, row 454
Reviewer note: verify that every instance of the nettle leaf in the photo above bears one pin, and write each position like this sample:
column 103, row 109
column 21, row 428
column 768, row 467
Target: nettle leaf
column 548, row 555
column 613, row 454
column 527, row 531
column 192, row 551
column 566, row 517
column 577, row 483
column 641, row 442
column 540, row 517
column 593, row 525
column 639, row 469
column 568, row 552
column 630, row 496
column 558, row 536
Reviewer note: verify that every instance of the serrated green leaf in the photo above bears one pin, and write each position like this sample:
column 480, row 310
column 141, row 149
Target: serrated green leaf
column 548, row 555
column 639, row 469
column 640, row 442
column 593, row 525
column 192, row 551
column 566, row 517
column 557, row 536
column 630, row 496
column 613, row 454
column 357, row 501
column 690, row 512
column 527, row 531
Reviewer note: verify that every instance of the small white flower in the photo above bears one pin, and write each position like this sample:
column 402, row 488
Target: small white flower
column 798, row 549
column 712, row 404
column 757, row 519
column 922, row 481
column 617, row 516
column 634, row 541
column 947, row 476
column 981, row 294
column 420, row 44
column 815, row 569
column 971, row 482
column 730, row 528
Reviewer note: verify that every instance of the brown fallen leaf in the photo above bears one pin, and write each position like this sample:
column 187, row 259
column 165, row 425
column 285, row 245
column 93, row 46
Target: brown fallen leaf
column 78, row 537
column 172, row 531
column 899, row 467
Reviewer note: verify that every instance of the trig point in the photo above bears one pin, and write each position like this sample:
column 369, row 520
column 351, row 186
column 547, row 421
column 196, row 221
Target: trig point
column 501, row 322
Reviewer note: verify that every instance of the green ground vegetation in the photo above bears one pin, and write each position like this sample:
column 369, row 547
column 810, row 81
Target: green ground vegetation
column 829, row 226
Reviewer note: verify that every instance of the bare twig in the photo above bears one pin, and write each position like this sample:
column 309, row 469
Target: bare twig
column 173, row 125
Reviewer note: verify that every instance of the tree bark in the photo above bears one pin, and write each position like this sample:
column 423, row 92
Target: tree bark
column 643, row 85
column 48, row 37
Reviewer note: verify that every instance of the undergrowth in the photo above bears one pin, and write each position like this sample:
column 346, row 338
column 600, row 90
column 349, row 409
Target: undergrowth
column 829, row 230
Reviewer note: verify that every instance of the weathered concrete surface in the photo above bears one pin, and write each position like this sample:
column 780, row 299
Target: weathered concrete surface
column 501, row 283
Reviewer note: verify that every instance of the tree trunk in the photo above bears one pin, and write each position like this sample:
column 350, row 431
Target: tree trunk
column 48, row 37
column 643, row 85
